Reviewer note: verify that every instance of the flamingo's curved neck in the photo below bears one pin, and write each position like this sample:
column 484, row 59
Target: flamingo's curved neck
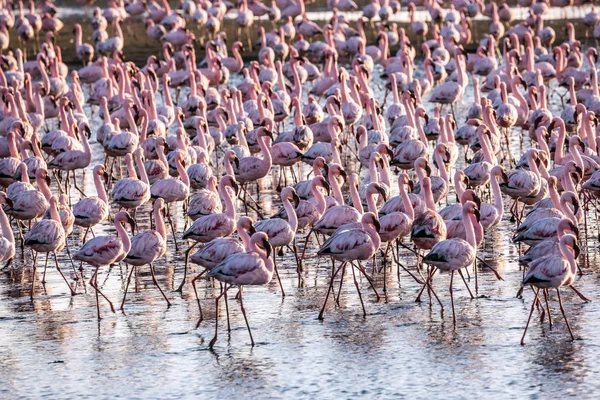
column 319, row 198
column 291, row 214
column 182, row 173
column 567, row 211
column 469, row 229
column 408, row 208
column 100, row 188
column 264, row 143
column 566, row 252
column 441, row 166
column 371, row 204
column 140, row 166
column 374, row 235
column 335, row 188
column 560, row 143
column 356, row 202
column 123, row 236
column 498, row 202
column 160, row 223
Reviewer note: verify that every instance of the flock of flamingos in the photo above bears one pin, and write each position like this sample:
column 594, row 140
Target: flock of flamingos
column 368, row 178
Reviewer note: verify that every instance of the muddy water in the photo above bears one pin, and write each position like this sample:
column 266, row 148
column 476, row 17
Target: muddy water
column 55, row 347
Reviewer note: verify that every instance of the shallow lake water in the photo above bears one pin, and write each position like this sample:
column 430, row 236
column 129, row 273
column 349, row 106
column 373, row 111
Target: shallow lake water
column 55, row 347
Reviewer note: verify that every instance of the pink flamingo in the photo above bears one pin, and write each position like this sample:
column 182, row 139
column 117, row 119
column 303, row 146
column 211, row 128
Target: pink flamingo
column 148, row 246
column 250, row 268
column 47, row 236
column 7, row 239
column 450, row 92
column 90, row 211
column 173, row 189
column 349, row 246
column 106, row 250
column 553, row 272
column 84, row 51
column 453, row 255
column 132, row 192
column 210, row 227
column 30, row 204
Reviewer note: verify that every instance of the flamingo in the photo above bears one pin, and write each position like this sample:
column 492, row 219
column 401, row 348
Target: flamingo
column 454, row 254
column 7, row 240
column 281, row 232
column 90, row 211
column 212, row 226
column 351, row 245
column 148, row 246
column 106, row 250
column 553, row 272
column 249, row 268
column 217, row 250
column 47, row 236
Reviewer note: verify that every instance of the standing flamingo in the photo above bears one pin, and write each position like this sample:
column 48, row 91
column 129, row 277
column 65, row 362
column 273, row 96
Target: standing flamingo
column 252, row 268
column 47, row 236
column 146, row 247
column 106, row 250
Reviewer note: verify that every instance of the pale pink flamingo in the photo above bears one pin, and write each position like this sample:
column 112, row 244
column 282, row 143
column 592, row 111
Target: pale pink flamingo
column 522, row 184
column 419, row 28
column 450, row 92
column 341, row 214
column 205, row 201
column 455, row 254
column 84, row 51
column 282, row 232
column 9, row 165
column 550, row 246
column 212, row 226
column 90, row 211
column 132, row 192
column 553, row 272
column 148, row 246
column 543, row 227
column 428, row 228
column 253, row 169
column 7, row 239
column 349, row 246
column 217, row 250
column 250, row 268
column 173, row 189
column 77, row 158
column 106, row 250
column 47, row 236
column 407, row 152
column 479, row 172
column 30, row 204
column 21, row 185
column 235, row 64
